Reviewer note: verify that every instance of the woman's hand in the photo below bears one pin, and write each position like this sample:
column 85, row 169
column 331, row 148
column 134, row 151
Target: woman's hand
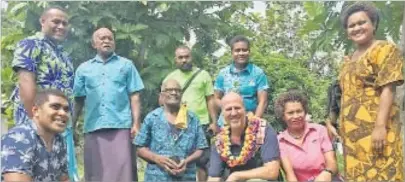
column 378, row 139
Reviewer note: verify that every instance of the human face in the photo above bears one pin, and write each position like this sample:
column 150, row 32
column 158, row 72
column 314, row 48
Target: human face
column 103, row 42
column 55, row 25
column 294, row 115
column 360, row 29
column 183, row 59
column 53, row 115
column 171, row 94
column 234, row 113
column 240, row 53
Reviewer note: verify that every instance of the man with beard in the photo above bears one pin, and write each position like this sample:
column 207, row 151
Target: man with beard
column 171, row 138
column 40, row 62
column 244, row 78
column 36, row 150
column 108, row 85
column 199, row 97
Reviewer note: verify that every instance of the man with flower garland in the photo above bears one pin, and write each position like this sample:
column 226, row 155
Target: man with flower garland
column 246, row 148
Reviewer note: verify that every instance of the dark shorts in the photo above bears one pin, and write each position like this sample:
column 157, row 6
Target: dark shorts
column 202, row 162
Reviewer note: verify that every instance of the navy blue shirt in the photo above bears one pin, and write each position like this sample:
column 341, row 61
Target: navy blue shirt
column 268, row 152
column 23, row 151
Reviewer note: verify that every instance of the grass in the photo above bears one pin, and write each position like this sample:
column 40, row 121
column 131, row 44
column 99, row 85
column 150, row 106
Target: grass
column 142, row 165
column 340, row 161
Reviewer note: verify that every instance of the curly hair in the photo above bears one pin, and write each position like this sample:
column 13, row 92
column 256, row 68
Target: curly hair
column 289, row 96
column 366, row 7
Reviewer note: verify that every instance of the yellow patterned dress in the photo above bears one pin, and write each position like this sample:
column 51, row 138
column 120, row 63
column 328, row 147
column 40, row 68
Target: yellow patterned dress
column 361, row 81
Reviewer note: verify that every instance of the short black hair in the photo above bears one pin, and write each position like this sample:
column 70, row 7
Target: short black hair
column 46, row 10
column 367, row 7
column 289, row 96
column 239, row 38
column 183, row 47
column 42, row 96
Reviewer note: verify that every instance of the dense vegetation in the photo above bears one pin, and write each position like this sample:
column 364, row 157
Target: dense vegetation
column 298, row 44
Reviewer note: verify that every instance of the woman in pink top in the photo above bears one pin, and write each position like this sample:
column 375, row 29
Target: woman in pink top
column 305, row 148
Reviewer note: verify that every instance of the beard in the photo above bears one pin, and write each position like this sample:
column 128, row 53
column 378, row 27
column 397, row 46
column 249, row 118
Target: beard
column 186, row 67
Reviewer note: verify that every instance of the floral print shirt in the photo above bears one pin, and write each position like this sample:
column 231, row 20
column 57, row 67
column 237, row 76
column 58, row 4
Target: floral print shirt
column 50, row 64
column 163, row 139
column 24, row 151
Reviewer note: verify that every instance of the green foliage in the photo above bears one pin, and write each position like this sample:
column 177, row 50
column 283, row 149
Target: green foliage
column 146, row 32
column 323, row 21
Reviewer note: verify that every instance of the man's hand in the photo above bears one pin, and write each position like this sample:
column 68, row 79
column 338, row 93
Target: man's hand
column 181, row 167
column 166, row 163
column 134, row 130
column 233, row 177
column 324, row 177
column 214, row 128
column 378, row 139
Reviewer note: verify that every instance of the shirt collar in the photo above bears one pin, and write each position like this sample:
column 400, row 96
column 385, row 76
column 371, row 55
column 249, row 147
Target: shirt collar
column 42, row 36
column 308, row 128
column 98, row 58
column 247, row 69
column 34, row 127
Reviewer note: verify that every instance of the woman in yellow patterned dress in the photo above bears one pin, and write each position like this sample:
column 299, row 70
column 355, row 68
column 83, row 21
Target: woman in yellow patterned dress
column 369, row 117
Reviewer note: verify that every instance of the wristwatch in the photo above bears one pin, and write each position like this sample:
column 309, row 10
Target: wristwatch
column 329, row 171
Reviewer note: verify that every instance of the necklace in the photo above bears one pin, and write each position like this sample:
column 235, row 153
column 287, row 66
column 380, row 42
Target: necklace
column 249, row 148
column 295, row 136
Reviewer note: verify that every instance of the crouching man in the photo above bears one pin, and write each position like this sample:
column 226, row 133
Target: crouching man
column 171, row 138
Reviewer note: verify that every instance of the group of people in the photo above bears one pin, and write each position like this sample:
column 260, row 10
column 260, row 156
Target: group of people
column 201, row 131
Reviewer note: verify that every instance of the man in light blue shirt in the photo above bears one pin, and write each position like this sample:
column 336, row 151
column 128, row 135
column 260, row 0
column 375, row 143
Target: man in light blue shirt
column 108, row 86
column 244, row 78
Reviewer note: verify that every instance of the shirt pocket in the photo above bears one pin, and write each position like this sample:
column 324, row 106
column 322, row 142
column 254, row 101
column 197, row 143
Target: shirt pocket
column 93, row 80
column 248, row 89
column 118, row 77
column 187, row 141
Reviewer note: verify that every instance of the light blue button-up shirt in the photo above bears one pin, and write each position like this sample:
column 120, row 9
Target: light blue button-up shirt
column 246, row 82
column 107, row 87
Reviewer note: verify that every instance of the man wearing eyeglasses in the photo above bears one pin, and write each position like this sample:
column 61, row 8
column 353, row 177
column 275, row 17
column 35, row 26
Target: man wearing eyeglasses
column 171, row 138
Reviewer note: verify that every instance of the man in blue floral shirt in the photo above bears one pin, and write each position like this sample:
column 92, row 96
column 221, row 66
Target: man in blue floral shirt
column 35, row 150
column 171, row 139
column 40, row 63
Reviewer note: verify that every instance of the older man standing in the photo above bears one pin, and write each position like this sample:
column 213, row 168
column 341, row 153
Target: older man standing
column 198, row 94
column 171, row 138
column 108, row 85
column 41, row 63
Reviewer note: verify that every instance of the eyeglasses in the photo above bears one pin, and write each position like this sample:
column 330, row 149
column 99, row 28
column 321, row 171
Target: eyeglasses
column 171, row 90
